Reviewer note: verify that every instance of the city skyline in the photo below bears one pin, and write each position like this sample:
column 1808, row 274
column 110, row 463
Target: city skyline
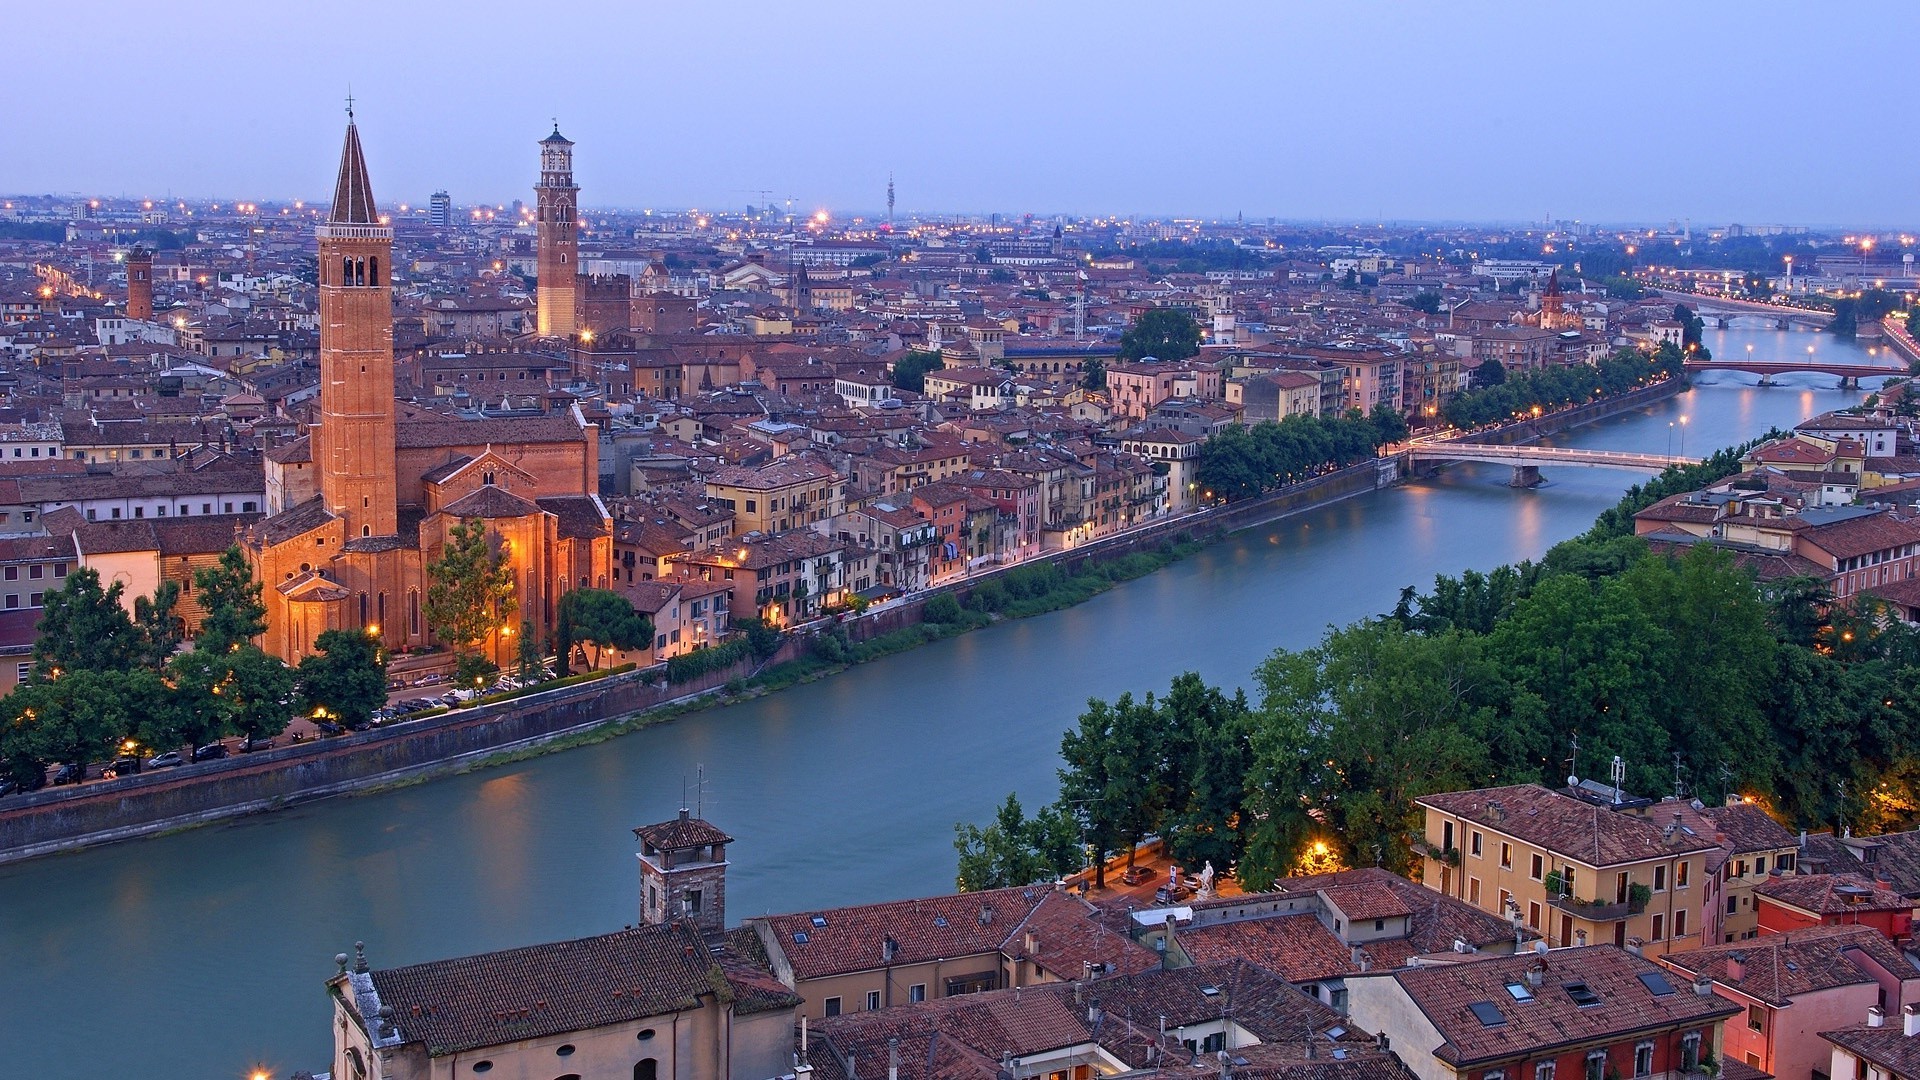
column 1487, row 114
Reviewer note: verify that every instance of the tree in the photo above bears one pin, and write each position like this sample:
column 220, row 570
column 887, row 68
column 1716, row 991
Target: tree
column 1015, row 849
column 1162, row 333
column 1116, row 777
column 1490, row 372
column 604, row 619
column 248, row 691
column 910, row 371
column 1426, row 300
column 983, row 255
column 347, row 677
column 83, row 627
column 469, row 592
column 230, row 597
column 78, row 717
column 1691, row 327
column 1389, row 425
column 159, row 627
column 1094, row 375
column 530, row 663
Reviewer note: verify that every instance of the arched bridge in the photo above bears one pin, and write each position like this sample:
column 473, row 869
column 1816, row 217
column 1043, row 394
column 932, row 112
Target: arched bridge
column 1527, row 460
column 1722, row 310
column 1850, row 374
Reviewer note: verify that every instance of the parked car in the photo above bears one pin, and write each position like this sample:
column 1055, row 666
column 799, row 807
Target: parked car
column 328, row 727
column 73, row 772
column 1171, row 894
column 248, row 746
column 8, row 787
column 1136, row 876
column 172, row 759
column 210, row 752
column 123, row 766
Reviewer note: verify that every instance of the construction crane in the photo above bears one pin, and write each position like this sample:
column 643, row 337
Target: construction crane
column 766, row 196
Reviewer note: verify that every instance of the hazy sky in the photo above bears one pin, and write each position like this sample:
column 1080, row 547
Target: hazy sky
column 1751, row 111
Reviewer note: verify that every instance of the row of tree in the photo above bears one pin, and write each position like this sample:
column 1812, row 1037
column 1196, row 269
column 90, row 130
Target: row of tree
column 1519, row 394
column 1695, row 676
column 1240, row 462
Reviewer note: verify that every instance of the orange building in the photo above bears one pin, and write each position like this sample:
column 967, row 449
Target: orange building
column 359, row 507
column 140, row 283
column 557, row 255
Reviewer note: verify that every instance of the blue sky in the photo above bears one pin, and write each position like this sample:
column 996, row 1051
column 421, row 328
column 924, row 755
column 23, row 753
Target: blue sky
column 1752, row 112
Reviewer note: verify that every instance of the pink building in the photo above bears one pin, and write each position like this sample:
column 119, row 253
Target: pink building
column 1137, row 388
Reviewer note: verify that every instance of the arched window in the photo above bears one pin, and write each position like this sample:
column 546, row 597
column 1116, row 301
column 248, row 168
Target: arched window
column 346, row 271
column 413, row 611
column 373, row 271
column 366, row 530
column 363, row 609
column 646, row 1069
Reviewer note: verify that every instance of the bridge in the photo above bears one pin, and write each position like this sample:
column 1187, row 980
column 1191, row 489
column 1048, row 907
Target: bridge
column 1527, row 460
column 1850, row 374
column 1723, row 310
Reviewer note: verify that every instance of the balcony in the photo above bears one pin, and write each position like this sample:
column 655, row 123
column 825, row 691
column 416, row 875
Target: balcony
column 1594, row 910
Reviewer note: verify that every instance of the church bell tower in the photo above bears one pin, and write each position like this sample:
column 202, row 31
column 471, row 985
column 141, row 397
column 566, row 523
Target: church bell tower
column 353, row 445
column 556, row 201
column 683, row 873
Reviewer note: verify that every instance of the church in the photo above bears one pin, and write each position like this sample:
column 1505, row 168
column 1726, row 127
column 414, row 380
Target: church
column 361, row 505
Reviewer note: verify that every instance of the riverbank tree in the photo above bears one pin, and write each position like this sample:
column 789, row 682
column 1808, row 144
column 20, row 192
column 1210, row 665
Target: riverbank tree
column 1552, row 388
column 1240, row 462
column 470, row 592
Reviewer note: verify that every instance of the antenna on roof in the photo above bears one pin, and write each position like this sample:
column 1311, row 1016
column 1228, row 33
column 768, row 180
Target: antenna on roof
column 1679, row 786
column 1573, row 764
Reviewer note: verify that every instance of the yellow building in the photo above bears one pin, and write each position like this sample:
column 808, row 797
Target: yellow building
column 1576, row 872
column 792, row 492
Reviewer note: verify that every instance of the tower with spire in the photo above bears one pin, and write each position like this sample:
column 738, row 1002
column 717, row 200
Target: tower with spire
column 353, row 445
column 889, row 201
column 556, row 202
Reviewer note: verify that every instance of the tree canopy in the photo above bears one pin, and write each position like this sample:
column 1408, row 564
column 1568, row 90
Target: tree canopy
column 910, row 371
column 1162, row 333
column 470, row 588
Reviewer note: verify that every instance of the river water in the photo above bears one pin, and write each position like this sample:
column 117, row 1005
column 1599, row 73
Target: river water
column 203, row 954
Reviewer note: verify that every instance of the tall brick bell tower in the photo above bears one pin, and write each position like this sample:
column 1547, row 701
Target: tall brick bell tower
column 556, row 201
column 353, row 444
column 140, row 283
column 683, row 873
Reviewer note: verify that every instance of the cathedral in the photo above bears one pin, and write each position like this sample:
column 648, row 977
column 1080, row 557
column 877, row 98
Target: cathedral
column 363, row 503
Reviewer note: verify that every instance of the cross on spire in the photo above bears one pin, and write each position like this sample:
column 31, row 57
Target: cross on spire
column 349, row 101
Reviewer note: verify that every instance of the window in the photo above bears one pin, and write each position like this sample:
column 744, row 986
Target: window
column 1446, row 836
column 1783, row 863
column 693, row 901
column 36, row 571
column 1597, row 1065
column 23, row 672
column 1681, row 874
column 1543, row 1071
column 13, row 573
column 833, row 1006
column 1680, row 923
column 1477, row 838
column 1643, row 1059
column 1533, row 914
column 1690, row 1051
column 1659, row 879
column 873, row 1000
column 1759, row 866
column 1534, row 868
column 1506, row 855
column 917, row 992
column 1659, row 926
column 646, row 1068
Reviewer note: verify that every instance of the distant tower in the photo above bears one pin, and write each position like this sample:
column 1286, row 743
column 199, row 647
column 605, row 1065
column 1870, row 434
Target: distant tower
column 889, row 200
column 140, row 283
column 353, row 444
column 440, row 210
column 557, row 200
column 683, row 873
column 1553, row 305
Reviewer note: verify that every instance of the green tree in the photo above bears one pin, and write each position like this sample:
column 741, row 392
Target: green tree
column 1210, row 749
column 530, row 665
column 159, row 626
column 230, row 597
column 470, row 591
column 1692, row 329
column 1015, row 849
column 605, row 620
column 1116, row 774
column 79, row 717
column 1162, row 333
column 1389, row 425
column 910, row 371
column 1094, row 374
column 347, row 677
column 1426, row 300
column 247, row 691
column 84, row 627
column 1490, row 372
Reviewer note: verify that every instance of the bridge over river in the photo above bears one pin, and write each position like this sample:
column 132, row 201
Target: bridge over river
column 1850, row 374
column 1726, row 312
column 1527, row 460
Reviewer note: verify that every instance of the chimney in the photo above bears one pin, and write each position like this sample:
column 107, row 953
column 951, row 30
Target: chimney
column 1702, row 985
column 1733, row 799
column 1580, row 937
column 1910, row 1020
column 683, row 813
column 1536, row 976
column 893, row 1059
column 1876, row 1016
column 1736, row 967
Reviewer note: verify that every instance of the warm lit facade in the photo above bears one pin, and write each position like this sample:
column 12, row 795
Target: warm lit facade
column 1576, row 872
column 557, row 204
column 792, row 492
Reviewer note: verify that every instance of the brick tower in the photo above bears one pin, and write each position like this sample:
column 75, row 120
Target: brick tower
column 353, row 445
column 683, row 873
column 556, row 200
column 140, row 284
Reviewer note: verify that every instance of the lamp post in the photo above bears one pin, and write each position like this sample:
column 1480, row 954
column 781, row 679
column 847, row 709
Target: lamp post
column 1683, row 436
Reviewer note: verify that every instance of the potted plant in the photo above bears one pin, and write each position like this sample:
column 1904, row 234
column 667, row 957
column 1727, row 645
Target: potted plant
column 1553, row 883
column 1638, row 897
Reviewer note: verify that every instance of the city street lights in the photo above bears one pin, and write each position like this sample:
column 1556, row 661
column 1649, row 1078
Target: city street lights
column 1683, row 436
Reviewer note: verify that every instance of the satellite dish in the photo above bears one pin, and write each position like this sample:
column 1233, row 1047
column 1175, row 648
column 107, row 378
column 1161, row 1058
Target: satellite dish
column 1572, row 780
column 1540, row 947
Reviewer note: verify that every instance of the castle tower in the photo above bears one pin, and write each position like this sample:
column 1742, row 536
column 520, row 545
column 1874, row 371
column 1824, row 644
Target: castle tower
column 556, row 200
column 353, row 445
column 683, row 873
column 140, row 284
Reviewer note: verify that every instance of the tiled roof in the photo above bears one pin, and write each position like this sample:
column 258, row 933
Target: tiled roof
column 1448, row 996
column 1831, row 894
column 1577, row 830
column 682, row 832
column 1777, row 967
column 1747, row 828
column 1298, row 947
column 489, row 501
column 296, row 519
column 842, row 940
column 428, row 434
column 352, row 192
column 540, row 990
column 579, row 516
column 1888, row 1046
column 1367, row 900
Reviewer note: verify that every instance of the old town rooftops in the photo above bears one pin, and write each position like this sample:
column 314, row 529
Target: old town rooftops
column 1586, row 995
column 1777, row 967
column 1559, row 823
column 1832, row 894
column 552, row 989
column 842, row 940
column 681, row 833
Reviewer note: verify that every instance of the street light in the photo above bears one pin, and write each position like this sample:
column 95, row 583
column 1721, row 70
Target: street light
column 1683, row 436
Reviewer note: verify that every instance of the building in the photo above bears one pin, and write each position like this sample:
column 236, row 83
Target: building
column 140, row 284
column 1275, row 395
column 361, row 506
column 1577, row 872
column 1794, row 985
column 683, row 873
column 791, row 492
column 440, row 210
column 1591, row 1013
column 556, row 202
column 1803, row 900
column 1874, row 1051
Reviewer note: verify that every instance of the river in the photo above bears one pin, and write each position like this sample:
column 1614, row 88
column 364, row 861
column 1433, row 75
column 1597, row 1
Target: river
column 202, row 954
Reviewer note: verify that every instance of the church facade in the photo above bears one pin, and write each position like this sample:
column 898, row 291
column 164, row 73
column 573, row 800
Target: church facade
column 359, row 507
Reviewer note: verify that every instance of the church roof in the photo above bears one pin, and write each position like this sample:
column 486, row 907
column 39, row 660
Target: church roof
column 490, row 502
column 296, row 519
column 498, row 431
column 353, row 192
column 312, row 587
column 556, row 137
column 579, row 516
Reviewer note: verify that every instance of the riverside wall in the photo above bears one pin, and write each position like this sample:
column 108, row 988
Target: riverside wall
column 61, row 819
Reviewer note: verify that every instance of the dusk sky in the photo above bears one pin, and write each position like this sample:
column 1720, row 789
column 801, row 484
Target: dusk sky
column 1753, row 112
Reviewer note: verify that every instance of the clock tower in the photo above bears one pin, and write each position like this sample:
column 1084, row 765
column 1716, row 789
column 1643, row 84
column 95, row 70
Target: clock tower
column 557, row 201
